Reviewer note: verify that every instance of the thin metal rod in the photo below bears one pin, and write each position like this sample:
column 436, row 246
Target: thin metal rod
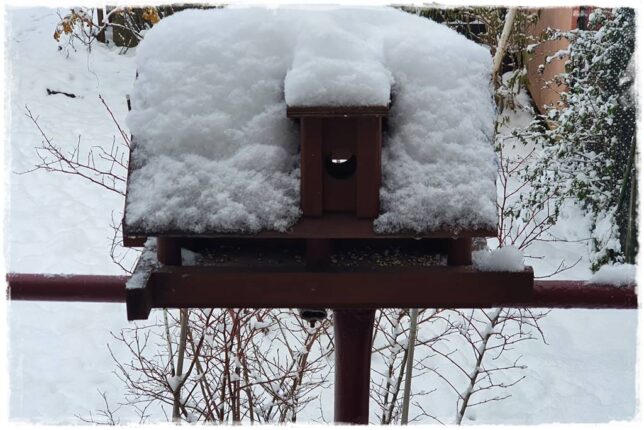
column 411, row 346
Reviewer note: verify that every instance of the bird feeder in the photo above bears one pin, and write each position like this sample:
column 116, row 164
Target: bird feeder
column 373, row 193
column 281, row 188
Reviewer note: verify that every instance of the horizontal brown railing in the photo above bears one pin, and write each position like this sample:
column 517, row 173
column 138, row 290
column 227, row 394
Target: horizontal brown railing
column 111, row 289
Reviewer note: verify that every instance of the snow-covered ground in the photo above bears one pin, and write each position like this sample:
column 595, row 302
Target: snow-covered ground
column 58, row 356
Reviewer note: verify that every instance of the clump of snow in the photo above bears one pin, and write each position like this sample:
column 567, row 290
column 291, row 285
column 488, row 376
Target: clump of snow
column 504, row 259
column 215, row 151
column 176, row 381
column 259, row 325
column 189, row 258
column 615, row 274
column 336, row 64
column 147, row 262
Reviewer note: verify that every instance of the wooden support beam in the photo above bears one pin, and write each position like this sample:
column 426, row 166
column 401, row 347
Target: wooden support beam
column 139, row 302
column 169, row 251
column 111, row 289
column 179, row 287
column 459, row 251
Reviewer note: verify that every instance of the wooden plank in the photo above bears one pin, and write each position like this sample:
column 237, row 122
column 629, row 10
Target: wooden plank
column 318, row 253
column 459, row 251
column 138, row 302
column 561, row 294
column 369, row 137
column 344, row 289
column 134, row 241
column 330, row 111
column 169, row 250
column 331, row 226
column 312, row 162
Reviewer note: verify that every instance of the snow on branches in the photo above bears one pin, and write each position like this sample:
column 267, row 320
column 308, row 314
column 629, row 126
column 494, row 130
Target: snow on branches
column 586, row 147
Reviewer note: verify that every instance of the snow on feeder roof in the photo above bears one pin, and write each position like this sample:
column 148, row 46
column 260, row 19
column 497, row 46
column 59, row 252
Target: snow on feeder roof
column 216, row 153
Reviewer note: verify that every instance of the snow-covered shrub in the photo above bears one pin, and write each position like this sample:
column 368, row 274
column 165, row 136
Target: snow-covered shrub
column 586, row 148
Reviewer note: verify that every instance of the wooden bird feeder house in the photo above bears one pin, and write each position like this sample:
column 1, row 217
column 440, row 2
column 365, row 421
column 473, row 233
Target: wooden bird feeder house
column 279, row 173
column 331, row 255
column 340, row 159
column 324, row 213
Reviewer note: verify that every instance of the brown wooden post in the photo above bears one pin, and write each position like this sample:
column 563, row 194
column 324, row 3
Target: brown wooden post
column 353, row 331
column 169, row 251
column 459, row 251
column 369, row 136
column 311, row 166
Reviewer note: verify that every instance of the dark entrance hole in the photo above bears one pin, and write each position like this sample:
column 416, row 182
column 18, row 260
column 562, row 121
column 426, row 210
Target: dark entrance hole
column 341, row 166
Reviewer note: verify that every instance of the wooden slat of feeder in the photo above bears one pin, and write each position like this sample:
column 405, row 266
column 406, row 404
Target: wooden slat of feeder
column 331, row 226
column 311, row 174
column 369, row 143
column 453, row 287
column 327, row 111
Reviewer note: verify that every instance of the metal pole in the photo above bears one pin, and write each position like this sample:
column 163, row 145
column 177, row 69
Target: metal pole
column 411, row 344
column 353, row 330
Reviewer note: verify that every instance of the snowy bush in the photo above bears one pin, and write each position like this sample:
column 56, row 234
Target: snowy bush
column 587, row 147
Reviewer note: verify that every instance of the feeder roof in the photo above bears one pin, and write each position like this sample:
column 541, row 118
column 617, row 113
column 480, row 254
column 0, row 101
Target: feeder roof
column 215, row 153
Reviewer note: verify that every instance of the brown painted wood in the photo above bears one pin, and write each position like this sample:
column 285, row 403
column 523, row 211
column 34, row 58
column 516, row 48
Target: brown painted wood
column 353, row 333
column 331, row 226
column 169, row 251
column 579, row 295
column 107, row 289
column 339, row 140
column 465, row 287
column 318, row 253
column 311, row 174
column 459, row 251
column 138, row 302
column 66, row 288
column 134, row 241
column 330, row 111
column 369, row 147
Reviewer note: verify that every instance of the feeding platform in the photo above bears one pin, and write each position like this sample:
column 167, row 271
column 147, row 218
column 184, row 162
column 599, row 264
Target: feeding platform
column 318, row 161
